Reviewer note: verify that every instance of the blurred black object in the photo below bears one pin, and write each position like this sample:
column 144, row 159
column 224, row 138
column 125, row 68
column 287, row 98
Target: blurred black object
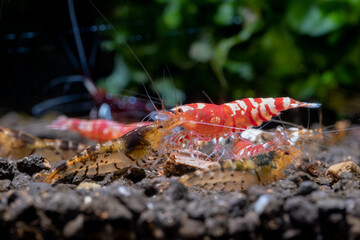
column 37, row 46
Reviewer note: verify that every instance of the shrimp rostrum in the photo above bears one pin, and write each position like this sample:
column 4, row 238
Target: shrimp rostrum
column 118, row 155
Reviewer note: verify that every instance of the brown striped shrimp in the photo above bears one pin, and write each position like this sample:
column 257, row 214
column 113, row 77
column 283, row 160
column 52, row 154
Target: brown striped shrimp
column 241, row 174
column 261, row 157
column 18, row 144
column 118, row 155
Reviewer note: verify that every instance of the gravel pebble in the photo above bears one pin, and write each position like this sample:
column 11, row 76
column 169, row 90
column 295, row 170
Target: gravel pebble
column 5, row 185
column 6, row 169
column 191, row 229
column 216, row 227
column 21, row 180
column 33, row 164
column 177, row 191
column 307, row 187
column 301, row 211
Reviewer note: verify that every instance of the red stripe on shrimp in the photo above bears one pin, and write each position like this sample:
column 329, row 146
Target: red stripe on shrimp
column 269, row 111
column 261, row 107
column 248, row 112
column 279, row 104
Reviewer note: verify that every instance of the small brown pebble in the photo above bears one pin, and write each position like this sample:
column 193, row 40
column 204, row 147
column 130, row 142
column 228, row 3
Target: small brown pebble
column 312, row 169
column 336, row 170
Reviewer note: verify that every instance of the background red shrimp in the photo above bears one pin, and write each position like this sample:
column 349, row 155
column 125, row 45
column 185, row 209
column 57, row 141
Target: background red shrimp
column 98, row 129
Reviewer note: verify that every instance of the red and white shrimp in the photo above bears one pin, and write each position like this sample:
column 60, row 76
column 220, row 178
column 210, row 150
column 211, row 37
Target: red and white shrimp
column 98, row 129
column 203, row 121
column 211, row 120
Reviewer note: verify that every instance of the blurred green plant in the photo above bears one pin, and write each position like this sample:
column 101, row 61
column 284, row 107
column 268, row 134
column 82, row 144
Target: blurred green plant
column 232, row 49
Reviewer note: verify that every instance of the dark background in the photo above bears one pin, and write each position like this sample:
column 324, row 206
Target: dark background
column 307, row 50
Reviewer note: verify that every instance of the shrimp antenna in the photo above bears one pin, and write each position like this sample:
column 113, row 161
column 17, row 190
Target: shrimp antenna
column 78, row 40
column 207, row 96
column 90, row 86
column 321, row 121
column 264, row 124
column 163, row 90
column 155, row 100
column 150, row 98
column 284, row 122
column 128, row 47
column 173, row 83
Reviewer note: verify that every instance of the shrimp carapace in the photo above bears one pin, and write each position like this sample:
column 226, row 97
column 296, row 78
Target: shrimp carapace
column 211, row 120
column 18, row 144
column 243, row 173
column 131, row 150
column 98, row 129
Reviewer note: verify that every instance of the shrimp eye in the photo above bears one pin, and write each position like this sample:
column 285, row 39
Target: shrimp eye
column 179, row 110
column 160, row 126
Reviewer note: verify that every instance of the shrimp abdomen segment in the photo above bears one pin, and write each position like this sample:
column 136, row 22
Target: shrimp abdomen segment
column 221, row 179
column 98, row 159
column 254, row 111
